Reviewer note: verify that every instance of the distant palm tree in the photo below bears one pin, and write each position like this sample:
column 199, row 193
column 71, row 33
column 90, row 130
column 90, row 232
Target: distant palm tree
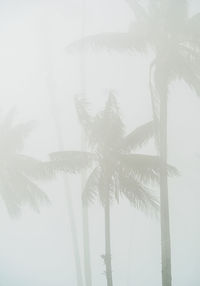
column 18, row 172
column 166, row 28
column 116, row 170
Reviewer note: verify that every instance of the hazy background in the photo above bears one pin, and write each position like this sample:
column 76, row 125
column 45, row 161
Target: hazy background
column 36, row 249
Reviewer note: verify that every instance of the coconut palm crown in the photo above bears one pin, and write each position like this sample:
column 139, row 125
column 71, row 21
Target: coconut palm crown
column 19, row 173
column 115, row 169
column 168, row 30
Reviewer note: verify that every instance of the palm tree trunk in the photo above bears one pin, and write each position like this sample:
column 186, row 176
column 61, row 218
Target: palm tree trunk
column 161, row 142
column 86, row 246
column 164, row 202
column 48, row 54
column 85, row 220
column 107, row 257
column 86, row 238
column 154, row 104
column 70, row 211
column 153, row 98
column 79, row 279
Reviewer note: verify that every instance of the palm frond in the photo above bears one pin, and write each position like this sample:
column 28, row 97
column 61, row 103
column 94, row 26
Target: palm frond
column 144, row 168
column 108, row 128
column 110, row 41
column 106, row 187
column 138, row 137
column 17, row 190
column 175, row 13
column 139, row 11
column 188, row 69
column 140, row 196
column 84, row 117
column 191, row 28
column 91, row 189
column 178, row 61
column 72, row 161
column 111, row 115
column 16, row 170
column 33, row 168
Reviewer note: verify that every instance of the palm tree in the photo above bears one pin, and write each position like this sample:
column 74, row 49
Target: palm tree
column 173, row 36
column 19, row 173
column 116, row 171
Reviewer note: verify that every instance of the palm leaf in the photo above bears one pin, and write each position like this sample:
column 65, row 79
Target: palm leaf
column 191, row 28
column 108, row 128
column 139, row 11
column 92, row 187
column 138, row 137
column 84, row 117
column 33, row 168
column 138, row 195
column 187, row 68
column 144, row 168
column 120, row 42
column 72, row 161
column 17, row 190
column 175, row 13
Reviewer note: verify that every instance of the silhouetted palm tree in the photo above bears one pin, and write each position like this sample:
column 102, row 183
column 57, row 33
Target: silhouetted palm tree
column 116, row 170
column 18, row 172
column 166, row 28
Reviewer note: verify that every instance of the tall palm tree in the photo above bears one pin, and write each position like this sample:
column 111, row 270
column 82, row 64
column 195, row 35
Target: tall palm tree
column 166, row 28
column 116, row 171
column 19, row 173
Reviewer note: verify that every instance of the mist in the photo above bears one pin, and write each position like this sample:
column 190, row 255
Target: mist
column 40, row 81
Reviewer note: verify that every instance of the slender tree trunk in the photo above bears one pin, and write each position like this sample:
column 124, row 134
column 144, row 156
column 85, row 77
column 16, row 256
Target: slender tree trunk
column 70, row 211
column 85, row 220
column 48, row 54
column 86, row 237
column 161, row 142
column 107, row 257
column 86, row 246
column 153, row 98
column 76, row 253
column 155, row 105
column 164, row 203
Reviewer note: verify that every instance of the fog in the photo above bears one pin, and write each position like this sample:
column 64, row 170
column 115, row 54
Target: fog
column 39, row 77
